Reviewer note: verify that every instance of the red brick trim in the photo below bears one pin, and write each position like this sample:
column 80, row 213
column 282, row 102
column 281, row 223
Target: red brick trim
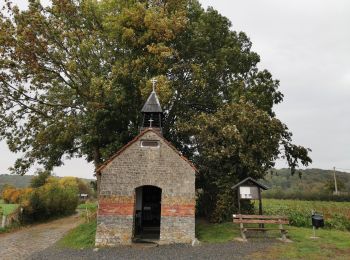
column 178, row 210
column 115, row 209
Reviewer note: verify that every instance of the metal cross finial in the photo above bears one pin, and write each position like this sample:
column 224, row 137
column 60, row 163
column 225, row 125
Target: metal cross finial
column 154, row 81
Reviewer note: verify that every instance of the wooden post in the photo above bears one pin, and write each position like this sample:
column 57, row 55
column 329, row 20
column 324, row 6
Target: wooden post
column 260, row 206
column 242, row 228
column 260, row 203
column 3, row 222
column 239, row 203
column 283, row 233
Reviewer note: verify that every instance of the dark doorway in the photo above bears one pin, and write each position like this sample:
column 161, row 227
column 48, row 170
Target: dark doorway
column 147, row 215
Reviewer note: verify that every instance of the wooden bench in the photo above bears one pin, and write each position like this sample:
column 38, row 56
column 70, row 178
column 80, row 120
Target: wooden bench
column 260, row 219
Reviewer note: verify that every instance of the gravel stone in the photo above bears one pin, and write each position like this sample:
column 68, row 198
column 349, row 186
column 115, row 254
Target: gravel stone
column 229, row 250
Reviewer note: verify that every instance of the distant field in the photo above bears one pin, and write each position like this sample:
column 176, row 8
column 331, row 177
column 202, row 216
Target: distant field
column 336, row 214
column 8, row 208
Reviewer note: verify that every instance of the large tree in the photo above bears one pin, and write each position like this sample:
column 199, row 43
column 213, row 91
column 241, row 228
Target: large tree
column 74, row 75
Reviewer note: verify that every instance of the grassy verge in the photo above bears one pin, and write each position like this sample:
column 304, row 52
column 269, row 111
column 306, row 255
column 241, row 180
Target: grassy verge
column 82, row 236
column 15, row 226
column 89, row 206
column 332, row 244
column 216, row 233
column 8, row 208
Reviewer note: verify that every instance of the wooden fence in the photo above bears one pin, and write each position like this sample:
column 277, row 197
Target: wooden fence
column 7, row 220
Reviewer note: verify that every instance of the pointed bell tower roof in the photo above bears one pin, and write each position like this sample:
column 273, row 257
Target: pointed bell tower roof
column 152, row 104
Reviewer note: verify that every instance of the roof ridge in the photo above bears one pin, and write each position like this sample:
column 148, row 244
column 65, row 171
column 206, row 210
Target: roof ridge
column 102, row 166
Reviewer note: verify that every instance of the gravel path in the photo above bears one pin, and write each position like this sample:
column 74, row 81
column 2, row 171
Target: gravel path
column 26, row 241
column 231, row 250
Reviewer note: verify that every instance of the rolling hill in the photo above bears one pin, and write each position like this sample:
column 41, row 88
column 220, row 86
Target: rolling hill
column 19, row 181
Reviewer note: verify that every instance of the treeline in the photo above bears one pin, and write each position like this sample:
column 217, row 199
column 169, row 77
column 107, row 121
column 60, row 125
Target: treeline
column 17, row 181
column 310, row 184
column 46, row 197
column 322, row 196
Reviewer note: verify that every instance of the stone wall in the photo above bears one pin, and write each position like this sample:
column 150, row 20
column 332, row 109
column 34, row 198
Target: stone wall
column 137, row 166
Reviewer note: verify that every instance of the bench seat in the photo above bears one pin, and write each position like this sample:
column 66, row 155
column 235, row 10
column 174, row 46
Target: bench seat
column 261, row 219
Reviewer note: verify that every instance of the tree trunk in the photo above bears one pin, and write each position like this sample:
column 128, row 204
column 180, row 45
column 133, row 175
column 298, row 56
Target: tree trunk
column 97, row 163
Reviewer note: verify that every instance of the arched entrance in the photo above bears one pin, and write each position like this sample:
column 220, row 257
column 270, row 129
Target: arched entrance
column 147, row 213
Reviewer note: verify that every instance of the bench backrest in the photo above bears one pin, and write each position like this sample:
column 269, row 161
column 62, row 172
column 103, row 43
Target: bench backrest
column 241, row 216
column 260, row 219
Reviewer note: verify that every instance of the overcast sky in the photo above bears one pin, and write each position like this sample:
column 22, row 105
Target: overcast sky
column 306, row 45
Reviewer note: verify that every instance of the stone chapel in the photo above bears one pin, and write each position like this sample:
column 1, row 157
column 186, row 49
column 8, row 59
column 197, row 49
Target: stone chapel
column 146, row 189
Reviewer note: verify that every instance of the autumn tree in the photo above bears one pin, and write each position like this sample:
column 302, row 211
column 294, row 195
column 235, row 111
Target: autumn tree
column 74, row 76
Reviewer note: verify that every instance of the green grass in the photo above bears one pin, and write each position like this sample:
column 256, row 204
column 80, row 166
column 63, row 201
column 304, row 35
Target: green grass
column 82, row 236
column 89, row 205
column 327, row 207
column 8, row 208
column 216, row 233
column 331, row 244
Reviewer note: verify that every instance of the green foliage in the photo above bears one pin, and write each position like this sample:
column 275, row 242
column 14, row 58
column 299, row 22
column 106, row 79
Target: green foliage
column 329, row 186
column 75, row 74
column 88, row 211
column 80, row 237
column 336, row 214
column 55, row 198
column 87, row 65
column 89, row 206
column 235, row 142
column 40, row 179
column 306, row 195
column 10, row 228
column 84, row 187
column 310, row 185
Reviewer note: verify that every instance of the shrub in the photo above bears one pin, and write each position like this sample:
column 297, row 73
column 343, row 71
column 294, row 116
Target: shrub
column 15, row 196
column 54, row 198
column 40, row 179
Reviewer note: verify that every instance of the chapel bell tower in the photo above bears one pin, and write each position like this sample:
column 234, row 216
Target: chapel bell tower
column 152, row 111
